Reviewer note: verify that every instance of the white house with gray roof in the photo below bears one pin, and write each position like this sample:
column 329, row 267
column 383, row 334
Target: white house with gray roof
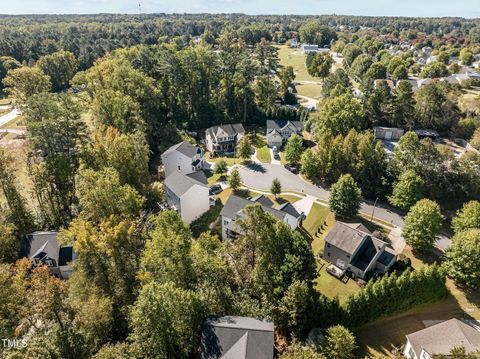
column 232, row 337
column 184, row 157
column 234, row 210
column 441, row 338
column 223, row 138
column 188, row 194
column 279, row 131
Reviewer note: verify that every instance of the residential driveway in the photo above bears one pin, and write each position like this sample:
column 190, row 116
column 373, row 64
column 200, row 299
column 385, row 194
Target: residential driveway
column 311, row 102
column 304, row 205
column 396, row 239
column 260, row 176
column 274, row 161
column 9, row 116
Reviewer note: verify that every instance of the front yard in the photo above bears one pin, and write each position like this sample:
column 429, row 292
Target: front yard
column 263, row 154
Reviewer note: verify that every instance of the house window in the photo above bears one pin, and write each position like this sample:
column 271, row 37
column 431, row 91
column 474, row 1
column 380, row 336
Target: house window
column 179, row 168
column 225, row 222
column 348, row 256
column 411, row 353
column 328, row 245
column 328, row 254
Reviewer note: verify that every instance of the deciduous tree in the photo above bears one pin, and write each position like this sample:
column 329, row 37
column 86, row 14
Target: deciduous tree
column 345, row 197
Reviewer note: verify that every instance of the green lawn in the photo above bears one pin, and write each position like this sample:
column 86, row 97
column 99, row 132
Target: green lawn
column 203, row 223
column 310, row 90
column 263, row 154
column 331, row 287
column 317, row 224
column 229, row 159
column 296, row 59
column 214, row 177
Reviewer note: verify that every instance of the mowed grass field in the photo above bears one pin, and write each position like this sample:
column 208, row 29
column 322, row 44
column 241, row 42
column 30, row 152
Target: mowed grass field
column 296, row 59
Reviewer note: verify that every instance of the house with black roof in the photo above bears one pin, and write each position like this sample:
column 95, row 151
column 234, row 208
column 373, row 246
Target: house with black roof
column 232, row 337
column 351, row 247
column 234, row 210
column 42, row 248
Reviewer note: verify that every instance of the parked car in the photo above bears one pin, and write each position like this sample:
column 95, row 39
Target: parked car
column 275, row 149
column 215, row 189
column 292, row 168
column 276, row 156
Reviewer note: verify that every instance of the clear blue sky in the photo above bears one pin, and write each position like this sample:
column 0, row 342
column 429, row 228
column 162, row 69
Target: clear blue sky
column 464, row 8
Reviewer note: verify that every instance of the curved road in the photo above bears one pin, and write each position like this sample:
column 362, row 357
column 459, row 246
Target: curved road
column 260, row 176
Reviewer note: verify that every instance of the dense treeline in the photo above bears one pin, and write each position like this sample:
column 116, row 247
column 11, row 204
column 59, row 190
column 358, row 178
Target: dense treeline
column 394, row 294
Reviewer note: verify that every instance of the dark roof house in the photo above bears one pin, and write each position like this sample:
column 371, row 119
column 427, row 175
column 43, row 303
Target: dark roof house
column 42, row 248
column 232, row 337
column 352, row 247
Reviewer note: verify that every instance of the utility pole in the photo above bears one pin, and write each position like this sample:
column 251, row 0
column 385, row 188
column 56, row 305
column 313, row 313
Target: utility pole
column 139, row 8
column 373, row 210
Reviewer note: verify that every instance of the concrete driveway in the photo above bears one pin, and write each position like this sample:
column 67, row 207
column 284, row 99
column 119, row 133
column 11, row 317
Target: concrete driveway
column 273, row 160
column 260, row 176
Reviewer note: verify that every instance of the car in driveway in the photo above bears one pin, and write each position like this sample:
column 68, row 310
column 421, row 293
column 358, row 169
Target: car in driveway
column 276, row 156
column 215, row 189
column 292, row 168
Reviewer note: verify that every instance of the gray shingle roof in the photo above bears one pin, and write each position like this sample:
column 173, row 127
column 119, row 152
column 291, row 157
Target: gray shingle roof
column 279, row 124
column 264, row 201
column 346, row 237
column 179, row 183
column 443, row 337
column 235, row 204
column 184, row 147
column 232, row 337
column 288, row 208
column 41, row 244
column 228, row 130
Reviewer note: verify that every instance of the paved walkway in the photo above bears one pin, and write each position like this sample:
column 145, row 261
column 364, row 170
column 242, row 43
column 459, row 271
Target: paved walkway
column 310, row 104
column 304, row 205
column 9, row 116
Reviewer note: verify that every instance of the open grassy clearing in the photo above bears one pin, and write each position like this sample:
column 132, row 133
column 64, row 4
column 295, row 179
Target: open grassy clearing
column 296, row 59
column 469, row 101
column 310, row 90
column 263, row 154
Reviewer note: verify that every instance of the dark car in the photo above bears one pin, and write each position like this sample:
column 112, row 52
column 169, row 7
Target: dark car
column 215, row 189
column 276, row 156
column 292, row 168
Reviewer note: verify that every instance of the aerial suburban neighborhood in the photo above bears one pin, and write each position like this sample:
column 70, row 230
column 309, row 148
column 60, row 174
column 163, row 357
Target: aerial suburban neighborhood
column 198, row 180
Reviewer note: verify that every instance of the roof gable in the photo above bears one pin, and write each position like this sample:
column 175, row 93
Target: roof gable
column 179, row 183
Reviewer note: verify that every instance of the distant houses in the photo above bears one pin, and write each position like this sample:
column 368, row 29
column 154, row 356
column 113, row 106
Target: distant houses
column 309, row 49
column 232, row 337
column 234, row 210
column 440, row 339
column 223, row 138
column 42, row 248
column 350, row 247
column 186, row 189
column 279, row 131
column 388, row 133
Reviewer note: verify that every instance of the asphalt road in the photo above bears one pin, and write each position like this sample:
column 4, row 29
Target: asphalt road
column 9, row 116
column 260, row 176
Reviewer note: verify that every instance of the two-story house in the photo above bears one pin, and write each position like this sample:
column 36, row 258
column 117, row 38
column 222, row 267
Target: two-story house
column 223, row 138
column 183, row 157
column 188, row 194
column 351, row 247
column 42, row 248
column 234, row 210
column 279, row 131
column 440, row 339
